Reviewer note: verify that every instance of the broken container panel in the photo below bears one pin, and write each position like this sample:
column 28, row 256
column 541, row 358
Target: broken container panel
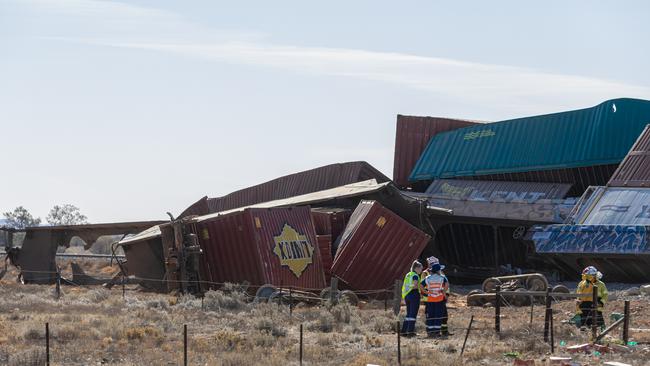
column 376, row 248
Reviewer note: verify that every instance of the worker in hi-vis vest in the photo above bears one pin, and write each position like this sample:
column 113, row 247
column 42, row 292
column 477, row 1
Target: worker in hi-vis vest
column 411, row 296
column 584, row 304
column 436, row 286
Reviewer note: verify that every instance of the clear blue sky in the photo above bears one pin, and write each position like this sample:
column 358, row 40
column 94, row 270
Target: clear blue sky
column 131, row 109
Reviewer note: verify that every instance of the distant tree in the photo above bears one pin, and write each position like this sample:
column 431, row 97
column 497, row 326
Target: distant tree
column 66, row 215
column 20, row 218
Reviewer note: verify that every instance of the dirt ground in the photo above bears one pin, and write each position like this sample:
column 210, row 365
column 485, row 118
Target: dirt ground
column 94, row 326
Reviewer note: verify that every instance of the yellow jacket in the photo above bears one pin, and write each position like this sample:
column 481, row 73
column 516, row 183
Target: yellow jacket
column 586, row 288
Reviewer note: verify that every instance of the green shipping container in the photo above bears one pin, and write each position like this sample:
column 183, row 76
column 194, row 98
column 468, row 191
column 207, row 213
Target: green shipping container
column 594, row 136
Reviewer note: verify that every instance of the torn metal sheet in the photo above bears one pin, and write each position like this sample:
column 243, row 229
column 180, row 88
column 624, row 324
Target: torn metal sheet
column 36, row 256
column 634, row 171
column 313, row 180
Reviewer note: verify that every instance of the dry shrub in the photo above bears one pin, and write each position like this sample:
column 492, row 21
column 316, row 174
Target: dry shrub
column 34, row 334
column 269, row 326
column 228, row 340
column 30, row 357
column 67, row 334
column 324, row 323
column 98, row 295
column 364, row 359
column 139, row 333
column 324, row 340
column 374, row 341
column 158, row 304
column 343, row 312
column 382, row 323
column 218, row 300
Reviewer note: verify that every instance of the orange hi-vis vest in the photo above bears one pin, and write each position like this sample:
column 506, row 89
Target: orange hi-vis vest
column 436, row 287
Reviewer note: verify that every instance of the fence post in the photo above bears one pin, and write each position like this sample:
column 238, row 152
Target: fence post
column 386, row 301
column 594, row 313
column 185, row 344
column 497, row 310
column 626, row 322
column 399, row 346
column 397, row 297
column 300, row 344
column 547, row 315
column 334, row 284
column 532, row 309
column 469, row 327
column 47, row 344
column 58, row 284
column 552, row 333
column 290, row 301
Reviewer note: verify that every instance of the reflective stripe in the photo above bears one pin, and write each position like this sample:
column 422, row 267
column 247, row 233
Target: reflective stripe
column 409, row 319
column 436, row 327
column 430, row 327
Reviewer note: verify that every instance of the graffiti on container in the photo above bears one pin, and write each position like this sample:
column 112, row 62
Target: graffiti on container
column 479, row 134
column 541, row 211
column 477, row 194
column 645, row 213
column 591, row 239
column 293, row 249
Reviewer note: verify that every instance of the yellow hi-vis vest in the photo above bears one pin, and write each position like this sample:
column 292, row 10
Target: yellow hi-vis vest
column 409, row 283
column 586, row 289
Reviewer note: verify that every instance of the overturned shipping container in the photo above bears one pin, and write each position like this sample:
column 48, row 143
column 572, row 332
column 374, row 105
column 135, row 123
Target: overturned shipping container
column 376, row 248
column 260, row 246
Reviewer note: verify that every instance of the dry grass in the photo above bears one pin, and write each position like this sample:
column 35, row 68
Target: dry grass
column 94, row 325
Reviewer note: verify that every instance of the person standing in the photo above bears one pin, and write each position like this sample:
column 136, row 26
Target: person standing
column 585, row 312
column 436, row 286
column 411, row 296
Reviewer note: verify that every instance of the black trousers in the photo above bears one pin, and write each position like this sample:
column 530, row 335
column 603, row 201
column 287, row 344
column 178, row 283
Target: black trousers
column 588, row 315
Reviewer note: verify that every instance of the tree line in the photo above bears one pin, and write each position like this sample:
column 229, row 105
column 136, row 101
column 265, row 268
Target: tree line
column 66, row 214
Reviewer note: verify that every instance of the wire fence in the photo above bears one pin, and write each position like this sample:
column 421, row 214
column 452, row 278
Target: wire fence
column 289, row 296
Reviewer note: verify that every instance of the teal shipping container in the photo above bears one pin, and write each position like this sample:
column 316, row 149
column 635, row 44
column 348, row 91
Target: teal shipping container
column 594, row 136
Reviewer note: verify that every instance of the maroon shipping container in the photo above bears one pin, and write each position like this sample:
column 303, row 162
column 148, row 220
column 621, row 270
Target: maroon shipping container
column 198, row 208
column 634, row 170
column 412, row 136
column 275, row 246
column 376, row 248
column 325, row 249
column 330, row 221
column 313, row 180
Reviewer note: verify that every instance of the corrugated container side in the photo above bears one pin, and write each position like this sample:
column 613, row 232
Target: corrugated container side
column 198, row 208
column 325, row 249
column 330, row 221
column 241, row 247
column 634, row 171
column 376, row 248
column 411, row 138
column 322, row 178
column 600, row 135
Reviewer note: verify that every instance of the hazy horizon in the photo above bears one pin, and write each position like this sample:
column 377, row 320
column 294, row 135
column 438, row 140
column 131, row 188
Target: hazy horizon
column 131, row 109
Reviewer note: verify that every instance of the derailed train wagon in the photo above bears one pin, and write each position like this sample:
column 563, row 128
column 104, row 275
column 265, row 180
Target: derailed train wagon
column 376, row 248
column 276, row 246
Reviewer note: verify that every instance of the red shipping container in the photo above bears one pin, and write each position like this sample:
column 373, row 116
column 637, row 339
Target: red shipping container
column 376, row 248
column 275, row 246
column 330, row 221
column 412, row 136
column 325, row 249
